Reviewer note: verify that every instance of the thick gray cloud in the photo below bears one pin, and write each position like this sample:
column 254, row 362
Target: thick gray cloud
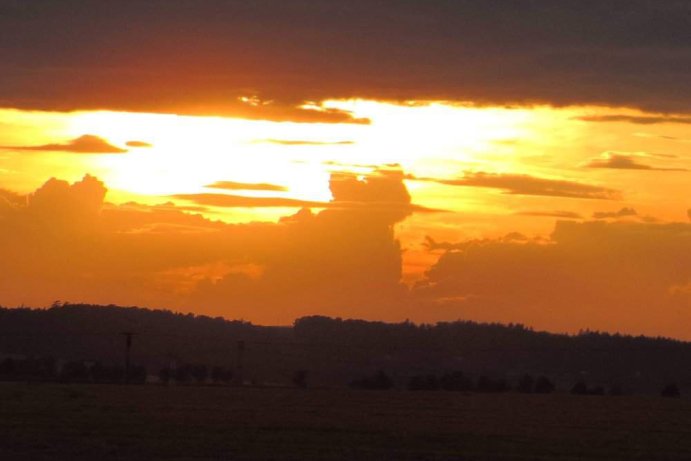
column 199, row 57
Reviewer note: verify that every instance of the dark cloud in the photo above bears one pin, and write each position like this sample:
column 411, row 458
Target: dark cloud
column 618, row 161
column 200, row 57
column 86, row 144
column 551, row 214
column 138, row 144
column 232, row 185
column 521, row 184
column 297, row 142
column 622, row 213
column 639, row 119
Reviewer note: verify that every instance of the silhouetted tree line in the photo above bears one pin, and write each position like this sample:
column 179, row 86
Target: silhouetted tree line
column 456, row 381
column 337, row 350
column 30, row 369
column 460, row 382
column 195, row 374
column 378, row 381
column 48, row 369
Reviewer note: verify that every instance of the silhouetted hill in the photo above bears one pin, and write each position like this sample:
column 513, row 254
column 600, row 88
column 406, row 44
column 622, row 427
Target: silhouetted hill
column 335, row 351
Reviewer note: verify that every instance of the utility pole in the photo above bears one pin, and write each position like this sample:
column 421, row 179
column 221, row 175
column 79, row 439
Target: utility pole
column 241, row 353
column 128, row 346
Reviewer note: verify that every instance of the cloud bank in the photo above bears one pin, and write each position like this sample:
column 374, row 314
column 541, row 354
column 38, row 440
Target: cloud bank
column 64, row 242
column 619, row 276
column 272, row 59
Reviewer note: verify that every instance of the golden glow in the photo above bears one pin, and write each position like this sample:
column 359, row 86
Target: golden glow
column 428, row 140
column 475, row 173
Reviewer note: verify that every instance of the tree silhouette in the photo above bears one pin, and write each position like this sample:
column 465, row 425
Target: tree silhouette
column 485, row 384
column 200, row 373
column 379, row 381
column 671, row 390
column 579, row 388
column 525, row 384
column 300, row 378
column 455, row 381
column 221, row 375
column 182, row 374
column 423, row 383
column 165, row 375
column 544, row 386
column 616, row 390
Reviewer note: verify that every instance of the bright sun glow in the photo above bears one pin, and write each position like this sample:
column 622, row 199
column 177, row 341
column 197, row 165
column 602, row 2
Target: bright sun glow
column 188, row 153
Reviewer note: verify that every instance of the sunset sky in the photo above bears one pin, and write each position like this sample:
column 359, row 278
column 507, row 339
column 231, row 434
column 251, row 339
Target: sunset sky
column 506, row 161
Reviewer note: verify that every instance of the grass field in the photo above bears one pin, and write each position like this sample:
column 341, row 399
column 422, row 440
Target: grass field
column 96, row 422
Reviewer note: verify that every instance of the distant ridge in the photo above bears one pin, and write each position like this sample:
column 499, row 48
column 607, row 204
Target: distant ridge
column 336, row 350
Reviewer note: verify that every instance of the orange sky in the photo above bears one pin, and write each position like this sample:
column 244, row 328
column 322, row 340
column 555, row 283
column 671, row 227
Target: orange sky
column 561, row 205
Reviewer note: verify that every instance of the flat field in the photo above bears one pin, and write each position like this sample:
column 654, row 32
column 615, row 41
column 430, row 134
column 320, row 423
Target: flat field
column 100, row 422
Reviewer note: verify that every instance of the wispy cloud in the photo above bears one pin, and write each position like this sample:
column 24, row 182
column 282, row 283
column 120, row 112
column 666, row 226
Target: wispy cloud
column 637, row 119
column 619, row 161
column 138, row 144
column 300, row 142
column 622, row 213
column 86, row 144
column 523, row 184
column 551, row 214
column 233, row 185
column 241, row 201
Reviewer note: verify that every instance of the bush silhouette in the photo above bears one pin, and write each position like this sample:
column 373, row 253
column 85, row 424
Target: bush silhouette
column 455, row 381
column 525, row 384
column 165, row 375
column 74, row 372
column 182, row 374
column 137, row 375
column 616, row 390
column 544, row 386
column 300, row 379
column 200, row 373
column 671, row 390
column 597, row 390
column 579, row 388
column 221, row 375
column 104, row 374
column 380, row 381
column 485, row 384
column 423, row 383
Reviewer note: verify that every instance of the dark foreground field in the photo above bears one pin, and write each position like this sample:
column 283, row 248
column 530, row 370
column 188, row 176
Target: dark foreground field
column 96, row 422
